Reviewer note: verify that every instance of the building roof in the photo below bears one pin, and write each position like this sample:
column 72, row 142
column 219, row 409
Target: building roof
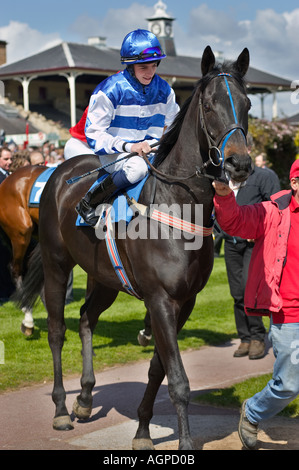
column 92, row 59
column 12, row 122
column 293, row 120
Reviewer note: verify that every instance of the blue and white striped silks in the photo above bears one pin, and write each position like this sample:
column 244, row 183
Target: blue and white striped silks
column 123, row 110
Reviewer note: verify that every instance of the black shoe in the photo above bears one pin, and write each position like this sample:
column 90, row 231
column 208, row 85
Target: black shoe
column 87, row 212
column 86, row 208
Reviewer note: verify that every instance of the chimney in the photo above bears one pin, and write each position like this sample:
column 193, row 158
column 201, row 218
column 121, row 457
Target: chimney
column 97, row 41
column 3, row 45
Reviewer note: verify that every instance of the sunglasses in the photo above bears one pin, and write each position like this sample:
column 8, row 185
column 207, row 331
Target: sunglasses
column 149, row 53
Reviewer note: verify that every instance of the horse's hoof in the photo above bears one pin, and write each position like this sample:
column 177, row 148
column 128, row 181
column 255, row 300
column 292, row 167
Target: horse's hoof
column 80, row 411
column 26, row 331
column 142, row 444
column 143, row 339
column 62, row 423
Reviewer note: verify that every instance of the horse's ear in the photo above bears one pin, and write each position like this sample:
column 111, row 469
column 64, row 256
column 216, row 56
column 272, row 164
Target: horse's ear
column 207, row 61
column 242, row 62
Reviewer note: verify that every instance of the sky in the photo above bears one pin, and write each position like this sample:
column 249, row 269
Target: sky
column 270, row 30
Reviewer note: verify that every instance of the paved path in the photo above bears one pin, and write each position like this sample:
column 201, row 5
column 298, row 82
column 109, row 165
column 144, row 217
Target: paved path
column 26, row 415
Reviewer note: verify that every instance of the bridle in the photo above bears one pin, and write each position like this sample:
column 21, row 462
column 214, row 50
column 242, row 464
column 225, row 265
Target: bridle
column 213, row 143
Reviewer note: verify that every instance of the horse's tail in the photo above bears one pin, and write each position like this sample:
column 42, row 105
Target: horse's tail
column 31, row 287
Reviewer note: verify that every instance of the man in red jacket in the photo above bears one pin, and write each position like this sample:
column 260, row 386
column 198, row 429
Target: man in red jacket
column 272, row 289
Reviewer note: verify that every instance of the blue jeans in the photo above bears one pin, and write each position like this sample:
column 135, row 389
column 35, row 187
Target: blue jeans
column 284, row 385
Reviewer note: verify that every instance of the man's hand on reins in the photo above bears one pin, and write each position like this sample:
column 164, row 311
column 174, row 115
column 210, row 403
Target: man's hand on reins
column 142, row 148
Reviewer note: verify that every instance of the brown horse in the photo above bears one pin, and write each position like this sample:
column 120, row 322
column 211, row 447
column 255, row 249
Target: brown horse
column 19, row 222
column 210, row 129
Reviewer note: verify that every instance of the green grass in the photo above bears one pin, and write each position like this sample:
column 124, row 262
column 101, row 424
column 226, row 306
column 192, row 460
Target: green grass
column 234, row 396
column 29, row 360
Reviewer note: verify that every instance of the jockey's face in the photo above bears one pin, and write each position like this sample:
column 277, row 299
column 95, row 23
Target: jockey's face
column 145, row 72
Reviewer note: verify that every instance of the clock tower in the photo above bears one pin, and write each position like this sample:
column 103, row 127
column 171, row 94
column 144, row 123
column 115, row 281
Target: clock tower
column 161, row 25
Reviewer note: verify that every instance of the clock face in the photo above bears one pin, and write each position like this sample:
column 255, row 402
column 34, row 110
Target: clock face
column 156, row 28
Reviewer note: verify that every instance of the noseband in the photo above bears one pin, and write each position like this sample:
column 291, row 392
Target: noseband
column 214, row 144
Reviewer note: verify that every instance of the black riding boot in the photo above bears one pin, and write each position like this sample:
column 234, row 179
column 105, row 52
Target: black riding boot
column 86, row 208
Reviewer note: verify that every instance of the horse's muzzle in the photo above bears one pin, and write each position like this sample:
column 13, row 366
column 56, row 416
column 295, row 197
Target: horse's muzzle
column 239, row 167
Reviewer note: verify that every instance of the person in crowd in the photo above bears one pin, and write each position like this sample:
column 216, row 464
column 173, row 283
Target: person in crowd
column 5, row 162
column 6, row 284
column 259, row 187
column 127, row 113
column 36, row 158
column 19, row 159
column 272, row 289
column 261, row 160
column 46, row 150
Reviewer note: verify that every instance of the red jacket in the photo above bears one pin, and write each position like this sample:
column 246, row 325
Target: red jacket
column 268, row 223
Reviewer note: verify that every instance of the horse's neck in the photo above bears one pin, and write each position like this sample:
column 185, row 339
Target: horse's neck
column 185, row 155
column 181, row 163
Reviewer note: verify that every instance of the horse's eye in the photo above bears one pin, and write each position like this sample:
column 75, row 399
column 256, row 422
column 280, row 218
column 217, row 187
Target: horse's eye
column 249, row 104
column 206, row 107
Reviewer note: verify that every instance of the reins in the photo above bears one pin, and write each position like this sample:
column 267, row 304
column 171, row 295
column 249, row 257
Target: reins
column 133, row 154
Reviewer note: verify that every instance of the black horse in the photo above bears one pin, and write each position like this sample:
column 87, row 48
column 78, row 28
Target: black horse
column 166, row 274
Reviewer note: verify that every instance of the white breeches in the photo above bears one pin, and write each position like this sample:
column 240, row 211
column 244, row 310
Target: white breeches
column 75, row 147
column 133, row 168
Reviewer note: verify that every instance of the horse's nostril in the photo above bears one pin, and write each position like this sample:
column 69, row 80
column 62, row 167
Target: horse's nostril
column 239, row 167
column 239, row 163
column 235, row 161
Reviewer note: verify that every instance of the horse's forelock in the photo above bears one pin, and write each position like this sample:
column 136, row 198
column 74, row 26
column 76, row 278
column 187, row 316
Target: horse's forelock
column 226, row 67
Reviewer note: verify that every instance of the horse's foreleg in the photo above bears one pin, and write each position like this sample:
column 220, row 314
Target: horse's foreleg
column 167, row 318
column 142, row 439
column 56, row 332
column 98, row 301
column 54, row 297
column 178, row 383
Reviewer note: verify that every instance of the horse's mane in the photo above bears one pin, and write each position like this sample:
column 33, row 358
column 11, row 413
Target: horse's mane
column 171, row 135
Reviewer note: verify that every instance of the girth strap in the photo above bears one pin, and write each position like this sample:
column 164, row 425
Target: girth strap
column 115, row 258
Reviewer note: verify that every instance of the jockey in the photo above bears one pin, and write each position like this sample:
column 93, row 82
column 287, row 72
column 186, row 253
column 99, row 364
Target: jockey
column 127, row 113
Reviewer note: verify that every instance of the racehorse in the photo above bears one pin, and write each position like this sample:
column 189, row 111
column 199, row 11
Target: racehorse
column 19, row 222
column 209, row 130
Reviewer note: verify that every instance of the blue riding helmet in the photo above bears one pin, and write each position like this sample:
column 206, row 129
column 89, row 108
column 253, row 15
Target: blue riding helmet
column 140, row 46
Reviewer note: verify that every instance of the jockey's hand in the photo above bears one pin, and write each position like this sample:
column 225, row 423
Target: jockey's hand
column 142, row 148
column 221, row 189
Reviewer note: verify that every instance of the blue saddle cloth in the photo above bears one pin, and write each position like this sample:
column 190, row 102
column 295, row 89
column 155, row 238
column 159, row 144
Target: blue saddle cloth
column 38, row 186
column 121, row 209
